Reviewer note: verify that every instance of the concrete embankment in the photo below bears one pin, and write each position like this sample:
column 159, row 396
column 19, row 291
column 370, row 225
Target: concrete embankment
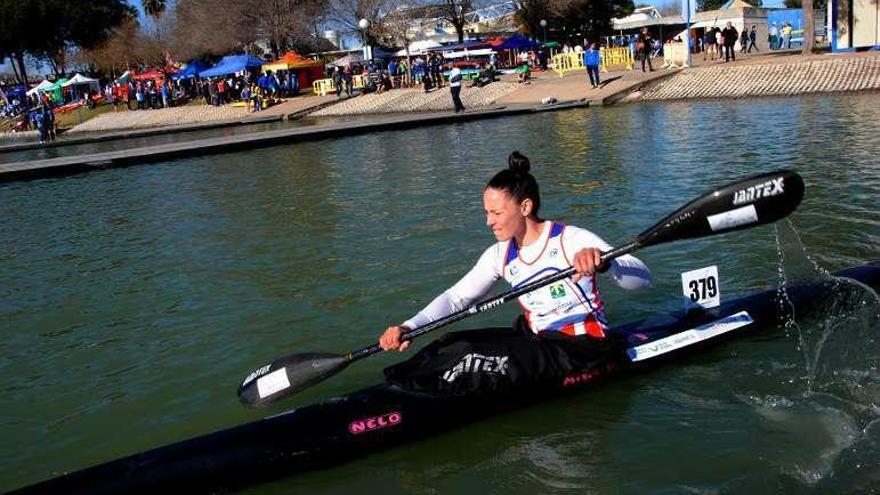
column 802, row 75
column 416, row 100
column 81, row 163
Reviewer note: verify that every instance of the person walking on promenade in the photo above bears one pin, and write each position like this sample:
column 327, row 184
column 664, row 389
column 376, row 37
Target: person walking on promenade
column 49, row 122
column 348, row 80
column 455, row 88
column 246, row 98
column 592, row 59
column 753, row 36
column 773, row 37
column 337, row 82
column 729, row 35
column 643, row 48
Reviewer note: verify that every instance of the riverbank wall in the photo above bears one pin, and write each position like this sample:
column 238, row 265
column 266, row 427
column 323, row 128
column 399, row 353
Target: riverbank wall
column 799, row 76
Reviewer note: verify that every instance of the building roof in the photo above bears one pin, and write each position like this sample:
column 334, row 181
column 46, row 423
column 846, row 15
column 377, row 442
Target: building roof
column 732, row 9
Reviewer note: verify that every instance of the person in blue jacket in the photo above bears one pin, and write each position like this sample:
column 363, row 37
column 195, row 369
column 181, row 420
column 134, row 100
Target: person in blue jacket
column 592, row 59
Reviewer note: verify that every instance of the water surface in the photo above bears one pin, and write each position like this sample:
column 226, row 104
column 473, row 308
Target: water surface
column 134, row 300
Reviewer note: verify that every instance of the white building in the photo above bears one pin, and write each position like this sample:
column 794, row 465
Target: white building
column 855, row 24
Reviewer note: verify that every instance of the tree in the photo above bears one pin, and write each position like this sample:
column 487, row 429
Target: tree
column 453, row 12
column 201, row 33
column 17, row 34
column 703, row 5
column 573, row 20
column 809, row 27
column 48, row 29
column 287, row 24
column 530, row 14
column 797, row 4
column 348, row 13
column 154, row 9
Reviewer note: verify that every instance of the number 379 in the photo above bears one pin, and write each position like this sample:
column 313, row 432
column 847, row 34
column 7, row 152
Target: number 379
column 703, row 288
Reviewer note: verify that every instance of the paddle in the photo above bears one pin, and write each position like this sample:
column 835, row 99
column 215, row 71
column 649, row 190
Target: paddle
column 743, row 204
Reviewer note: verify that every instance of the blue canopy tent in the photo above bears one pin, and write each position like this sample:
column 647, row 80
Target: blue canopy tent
column 517, row 42
column 192, row 69
column 231, row 64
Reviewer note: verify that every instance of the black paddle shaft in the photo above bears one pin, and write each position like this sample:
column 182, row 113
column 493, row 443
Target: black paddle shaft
column 492, row 303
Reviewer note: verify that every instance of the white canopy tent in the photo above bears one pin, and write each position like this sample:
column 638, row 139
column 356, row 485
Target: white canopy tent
column 482, row 52
column 80, row 79
column 418, row 48
column 39, row 87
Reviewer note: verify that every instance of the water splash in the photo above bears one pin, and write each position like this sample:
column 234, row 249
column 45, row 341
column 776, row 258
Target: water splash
column 837, row 339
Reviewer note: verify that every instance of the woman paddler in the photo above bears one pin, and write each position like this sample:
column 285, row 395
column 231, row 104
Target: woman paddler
column 529, row 248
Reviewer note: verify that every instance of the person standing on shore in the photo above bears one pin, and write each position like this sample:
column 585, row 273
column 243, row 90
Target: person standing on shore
column 643, row 48
column 729, row 35
column 455, row 88
column 246, row 97
column 786, row 36
column 437, row 70
column 773, row 37
column 709, row 44
column 592, row 59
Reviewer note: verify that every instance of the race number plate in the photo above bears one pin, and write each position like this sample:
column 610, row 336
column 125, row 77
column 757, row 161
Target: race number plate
column 701, row 288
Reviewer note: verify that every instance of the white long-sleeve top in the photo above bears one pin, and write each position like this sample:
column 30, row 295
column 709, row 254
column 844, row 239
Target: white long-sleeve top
column 563, row 306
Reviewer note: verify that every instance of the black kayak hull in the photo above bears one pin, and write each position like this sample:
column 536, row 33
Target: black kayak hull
column 381, row 416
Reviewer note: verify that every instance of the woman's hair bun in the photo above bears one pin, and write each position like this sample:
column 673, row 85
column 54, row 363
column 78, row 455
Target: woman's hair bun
column 518, row 162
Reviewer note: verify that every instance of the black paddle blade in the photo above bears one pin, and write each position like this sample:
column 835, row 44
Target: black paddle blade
column 757, row 200
column 287, row 376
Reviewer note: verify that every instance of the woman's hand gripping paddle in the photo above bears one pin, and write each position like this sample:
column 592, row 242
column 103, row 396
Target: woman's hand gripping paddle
column 757, row 200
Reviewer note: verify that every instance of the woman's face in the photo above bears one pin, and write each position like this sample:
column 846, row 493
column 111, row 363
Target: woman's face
column 504, row 214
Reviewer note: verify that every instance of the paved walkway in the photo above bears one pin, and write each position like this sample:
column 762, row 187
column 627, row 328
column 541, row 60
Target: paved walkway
column 192, row 114
column 576, row 86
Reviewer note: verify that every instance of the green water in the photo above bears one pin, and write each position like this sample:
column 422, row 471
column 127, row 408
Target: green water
column 133, row 301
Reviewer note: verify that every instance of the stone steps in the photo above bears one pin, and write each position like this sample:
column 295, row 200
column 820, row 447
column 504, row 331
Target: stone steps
column 740, row 81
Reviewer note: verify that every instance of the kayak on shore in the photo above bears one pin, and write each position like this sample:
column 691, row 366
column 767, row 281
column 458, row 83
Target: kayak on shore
column 378, row 417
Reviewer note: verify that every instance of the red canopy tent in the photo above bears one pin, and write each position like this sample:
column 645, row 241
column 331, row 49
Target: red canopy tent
column 496, row 42
column 154, row 74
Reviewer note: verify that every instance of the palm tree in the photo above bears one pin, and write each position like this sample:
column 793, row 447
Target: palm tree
column 809, row 27
column 154, row 9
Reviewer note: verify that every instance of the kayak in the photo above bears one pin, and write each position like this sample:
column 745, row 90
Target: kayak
column 378, row 417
